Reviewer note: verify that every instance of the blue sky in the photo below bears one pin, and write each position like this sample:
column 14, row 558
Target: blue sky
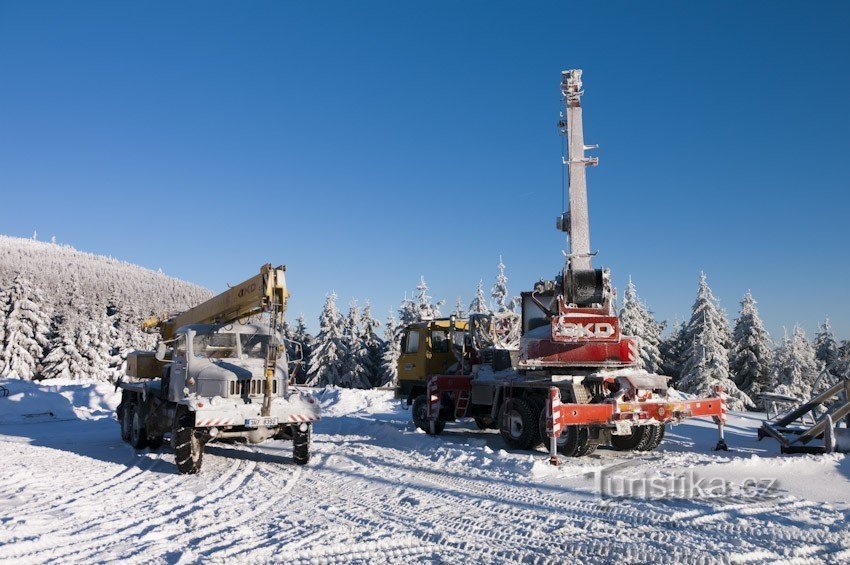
column 367, row 143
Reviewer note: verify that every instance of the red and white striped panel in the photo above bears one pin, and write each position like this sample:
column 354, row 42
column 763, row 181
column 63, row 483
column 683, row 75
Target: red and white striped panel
column 301, row 418
column 634, row 351
column 209, row 423
column 433, row 398
column 553, row 412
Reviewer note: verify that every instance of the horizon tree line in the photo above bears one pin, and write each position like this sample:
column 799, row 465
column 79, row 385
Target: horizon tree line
column 79, row 341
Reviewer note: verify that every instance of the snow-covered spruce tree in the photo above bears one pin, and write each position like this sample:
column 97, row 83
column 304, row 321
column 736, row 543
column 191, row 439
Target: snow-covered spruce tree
column 328, row 355
column 408, row 312
column 373, row 346
column 479, row 303
column 672, row 350
column 795, row 367
column 391, row 351
column 94, row 346
column 636, row 320
column 356, row 374
column 27, row 327
column 707, row 358
column 499, row 292
column 115, row 344
column 459, row 312
column 826, row 348
column 751, row 357
column 427, row 310
column 303, row 351
column 64, row 359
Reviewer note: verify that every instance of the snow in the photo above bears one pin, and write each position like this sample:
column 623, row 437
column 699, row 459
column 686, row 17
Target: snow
column 378, row 490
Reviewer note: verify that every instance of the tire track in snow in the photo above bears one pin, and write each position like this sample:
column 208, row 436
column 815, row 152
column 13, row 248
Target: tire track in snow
column 80, row 543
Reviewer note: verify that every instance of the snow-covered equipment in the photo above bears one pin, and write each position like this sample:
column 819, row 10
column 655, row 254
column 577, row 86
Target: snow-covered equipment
column 219, row 372
column 819, row 425
column 573, row 377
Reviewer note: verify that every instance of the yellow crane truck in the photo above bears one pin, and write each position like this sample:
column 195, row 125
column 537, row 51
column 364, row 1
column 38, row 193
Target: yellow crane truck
column 219, row 372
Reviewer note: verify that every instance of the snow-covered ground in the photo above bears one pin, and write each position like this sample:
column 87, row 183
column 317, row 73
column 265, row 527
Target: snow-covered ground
column 377, row 490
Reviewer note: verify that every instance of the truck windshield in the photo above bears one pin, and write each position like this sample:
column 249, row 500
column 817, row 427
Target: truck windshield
column 215, row 346
column 254, row 346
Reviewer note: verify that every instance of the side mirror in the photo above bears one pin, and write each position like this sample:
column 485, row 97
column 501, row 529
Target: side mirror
column 161, row 352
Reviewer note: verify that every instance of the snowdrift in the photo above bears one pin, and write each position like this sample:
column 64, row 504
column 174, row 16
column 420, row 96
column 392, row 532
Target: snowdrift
column 56, row 399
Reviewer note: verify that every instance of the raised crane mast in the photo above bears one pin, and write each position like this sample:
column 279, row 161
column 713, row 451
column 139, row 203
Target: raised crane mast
column 575, row 221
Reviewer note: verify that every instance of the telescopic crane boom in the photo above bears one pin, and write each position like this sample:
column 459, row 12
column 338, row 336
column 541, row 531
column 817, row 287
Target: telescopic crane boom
column 264, row 292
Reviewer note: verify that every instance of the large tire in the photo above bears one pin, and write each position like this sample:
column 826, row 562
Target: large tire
column 125, row 415
column 419, row 413
column 519, row 423
column 301, row 444
column 138, row 429
column 630, row 442
column 188, row 447
column 575, row 439
column 654, row 435
column 540, row 405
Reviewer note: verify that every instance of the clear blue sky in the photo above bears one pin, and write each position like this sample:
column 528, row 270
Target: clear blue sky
column 366, row 143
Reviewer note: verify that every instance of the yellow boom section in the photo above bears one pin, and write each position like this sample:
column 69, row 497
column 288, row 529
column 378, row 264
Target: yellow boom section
column 254, row 296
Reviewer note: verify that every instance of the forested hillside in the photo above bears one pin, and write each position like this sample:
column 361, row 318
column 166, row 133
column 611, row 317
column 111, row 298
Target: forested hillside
column 66, row 313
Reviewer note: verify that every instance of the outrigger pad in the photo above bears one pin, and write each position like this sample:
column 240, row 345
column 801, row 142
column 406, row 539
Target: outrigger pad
column 721, row 446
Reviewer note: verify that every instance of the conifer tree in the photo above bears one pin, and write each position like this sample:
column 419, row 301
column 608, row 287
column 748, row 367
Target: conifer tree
column 303, row 350
column 353, row 371
column 750, row 359
column 707, row 358
column 391, row 351
column 408, row 312
column 459, row 312
column 27, row 327
column 479, row 303
column 672, row 351
column 427, row 310
column 373, row 346
column 64, row 359
column 499, row 292
column 795, row 367
column 826, row 348
column 637, row 321
column 328, row 355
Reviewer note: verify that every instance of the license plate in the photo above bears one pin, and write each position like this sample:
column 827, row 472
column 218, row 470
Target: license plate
column 266, row 422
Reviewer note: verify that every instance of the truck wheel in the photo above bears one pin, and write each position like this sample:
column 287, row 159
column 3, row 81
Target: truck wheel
column 519, row 423
column 540, row 405
column 631, row 441
column 652, row 438
column 125, row 415
column 188, row 451
column 301, row 443
column 589, row 446
column 138, row 430
column 419, row 412
column 575, row 440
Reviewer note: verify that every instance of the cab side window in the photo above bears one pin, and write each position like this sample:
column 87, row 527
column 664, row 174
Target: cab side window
column 439, row 342
column 411, row 343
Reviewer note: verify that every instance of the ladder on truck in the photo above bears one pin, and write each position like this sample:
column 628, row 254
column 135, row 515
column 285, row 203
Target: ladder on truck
column 820, row 434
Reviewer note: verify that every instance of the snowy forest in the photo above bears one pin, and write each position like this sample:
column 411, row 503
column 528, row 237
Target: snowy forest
column 69, row 314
